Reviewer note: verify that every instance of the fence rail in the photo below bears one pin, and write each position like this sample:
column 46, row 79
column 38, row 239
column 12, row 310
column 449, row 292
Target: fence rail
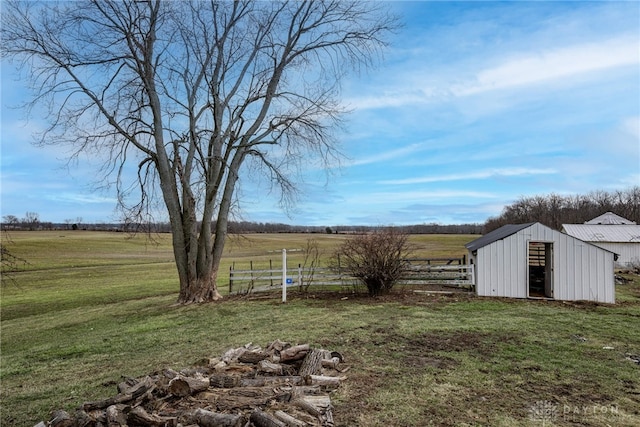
column 428, row 271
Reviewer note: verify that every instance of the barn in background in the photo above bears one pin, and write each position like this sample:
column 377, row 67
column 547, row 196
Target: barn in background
column 534, row 261
column 611, row 232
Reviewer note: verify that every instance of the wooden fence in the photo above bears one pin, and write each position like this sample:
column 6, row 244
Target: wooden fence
column 452, row 272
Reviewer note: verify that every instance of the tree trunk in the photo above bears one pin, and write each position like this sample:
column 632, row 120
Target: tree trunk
column 199, row 290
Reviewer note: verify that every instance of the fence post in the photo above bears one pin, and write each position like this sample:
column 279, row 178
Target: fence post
column 284, row 275
column 300, row 276
column 271, row 272
column 230, row 279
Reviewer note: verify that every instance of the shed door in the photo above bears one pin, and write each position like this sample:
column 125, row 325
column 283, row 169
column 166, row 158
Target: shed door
column 540, row 267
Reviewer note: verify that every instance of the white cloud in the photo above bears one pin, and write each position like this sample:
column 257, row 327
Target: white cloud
column 631, row 125
column 80, row 198
column 484, row 174
column 553, row 64
column 511, row 70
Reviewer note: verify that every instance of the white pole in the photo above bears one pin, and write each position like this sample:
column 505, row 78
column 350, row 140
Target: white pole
column 284, row 275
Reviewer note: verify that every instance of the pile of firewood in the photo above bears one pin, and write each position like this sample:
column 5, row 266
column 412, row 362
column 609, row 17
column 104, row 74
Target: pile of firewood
column 277, row 386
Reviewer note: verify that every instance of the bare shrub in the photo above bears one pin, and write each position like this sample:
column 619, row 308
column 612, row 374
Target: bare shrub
column 377, row 258
column 311, row 263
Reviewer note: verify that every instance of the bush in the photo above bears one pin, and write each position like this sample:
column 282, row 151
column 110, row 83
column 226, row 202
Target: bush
column 377, row 259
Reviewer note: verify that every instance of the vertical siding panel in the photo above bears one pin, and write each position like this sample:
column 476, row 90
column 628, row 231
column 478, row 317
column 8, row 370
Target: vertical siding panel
column 610, row 285
column 567, row 265
column 593, row 274
column 521, row 282
column 482, row 271
column 560, row 265
column 598, row 285
column 499, row 270
column 494, row 269
column 518, row 264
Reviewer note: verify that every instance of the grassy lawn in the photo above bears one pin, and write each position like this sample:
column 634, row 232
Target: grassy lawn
column 92, row 307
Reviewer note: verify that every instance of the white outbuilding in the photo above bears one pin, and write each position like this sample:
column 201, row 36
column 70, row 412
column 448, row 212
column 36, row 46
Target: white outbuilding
column 534, row 261
column 612, row 232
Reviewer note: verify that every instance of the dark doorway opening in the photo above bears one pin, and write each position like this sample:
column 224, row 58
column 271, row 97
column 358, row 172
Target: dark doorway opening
column 540, row 263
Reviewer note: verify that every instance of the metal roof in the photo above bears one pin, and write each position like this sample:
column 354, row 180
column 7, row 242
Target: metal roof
column 609, row 218
column 495, row 235
column 618, row 233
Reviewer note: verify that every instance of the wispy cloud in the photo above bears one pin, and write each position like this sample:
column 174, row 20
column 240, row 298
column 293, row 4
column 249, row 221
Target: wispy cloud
column 484, row 174
column 560, row 63
column 389, row 197
column 515, row 70
column 80, row 198
column 388, row 155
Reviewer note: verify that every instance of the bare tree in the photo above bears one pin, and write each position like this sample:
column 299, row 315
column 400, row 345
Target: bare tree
column 310, row 263
column 195, row 94
column 31, row 220
column 377, row 258
column 10, row 221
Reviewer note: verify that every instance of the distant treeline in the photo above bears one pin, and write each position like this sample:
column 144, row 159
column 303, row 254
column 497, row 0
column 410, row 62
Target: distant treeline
column 237, row 227
column 554, row 210
column 255, row 227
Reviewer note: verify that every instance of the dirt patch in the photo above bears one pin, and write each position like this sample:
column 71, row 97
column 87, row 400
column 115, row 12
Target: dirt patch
column 478, row 343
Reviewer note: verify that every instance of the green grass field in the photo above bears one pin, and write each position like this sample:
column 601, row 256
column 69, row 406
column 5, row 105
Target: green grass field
column 92, row 307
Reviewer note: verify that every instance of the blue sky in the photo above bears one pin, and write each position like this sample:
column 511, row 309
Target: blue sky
column 475, row 105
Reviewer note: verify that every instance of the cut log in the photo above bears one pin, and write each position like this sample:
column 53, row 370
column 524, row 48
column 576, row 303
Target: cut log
column 319, row 406
column 182, row 386
column 306, row 406
column 239, row 368
column 233, row 354
column 61, row 418
column 331, row 363
column 116, row 416
column 126, row 384
column 288, row 419
column 252, row 357
column 250, row 397
column 170, row 373
column 263, row 419
column 277, row 346
column 296, row 352
column 312, row 363
column 269, row 367
column 139, row 417
column 324, row 381
column 271, row 381
column 223, row 381
column 132, row 392
column 102, row 404
column 206, row 418
column 83, row 419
